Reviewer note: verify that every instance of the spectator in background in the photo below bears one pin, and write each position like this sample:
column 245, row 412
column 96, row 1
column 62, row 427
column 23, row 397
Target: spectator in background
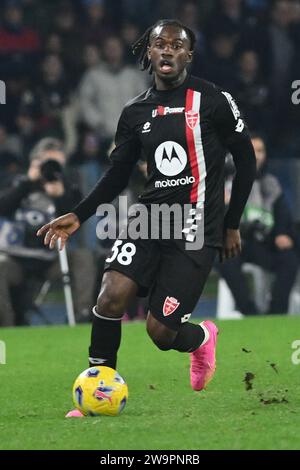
column 293, row 118
column 9, row 143
column 229, row 14
column 96, row 23
column 91, row 163
column 295, row 35
column 52, row 91
column 10, row 157
column 91, row 56
column 268, row 240
column 88, row 149
column 129, row 35
column 27, row 130
column 105, row 89
column 258, row 6
column 67, row 28
column 19, row 45
column 45, row 101
column 53, row 44
column 144, row 12
column 252, row 92
column 219, row 65
column 15, row 86
column 282, row 51
column 37, row 14
column 281, row 45
column 189, row 13
column 10, row 167
column 274, row 43
column 42, row 194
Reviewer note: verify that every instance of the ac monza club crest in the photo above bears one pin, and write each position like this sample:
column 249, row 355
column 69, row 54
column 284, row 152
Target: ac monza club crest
column 170, row 305
column 192, row 118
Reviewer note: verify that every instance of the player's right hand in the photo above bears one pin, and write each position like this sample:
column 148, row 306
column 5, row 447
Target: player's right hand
column 62, row 228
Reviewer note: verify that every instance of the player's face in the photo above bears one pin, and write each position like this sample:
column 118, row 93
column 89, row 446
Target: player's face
column 169, row 52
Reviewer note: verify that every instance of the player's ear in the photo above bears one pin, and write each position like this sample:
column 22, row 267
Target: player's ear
column 190, row 56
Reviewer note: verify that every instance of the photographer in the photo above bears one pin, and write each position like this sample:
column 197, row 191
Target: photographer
column 31, row 200
column 268, row 240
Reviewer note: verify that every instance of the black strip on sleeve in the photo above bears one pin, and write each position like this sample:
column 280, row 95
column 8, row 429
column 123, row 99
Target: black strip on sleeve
column 245, row 162
column 108, row 187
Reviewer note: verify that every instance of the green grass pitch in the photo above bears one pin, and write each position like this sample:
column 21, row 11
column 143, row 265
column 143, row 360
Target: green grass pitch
column 162, row 411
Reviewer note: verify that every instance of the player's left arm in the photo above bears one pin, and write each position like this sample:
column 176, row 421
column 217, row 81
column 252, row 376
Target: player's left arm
column 123, row 159
column 235, row 137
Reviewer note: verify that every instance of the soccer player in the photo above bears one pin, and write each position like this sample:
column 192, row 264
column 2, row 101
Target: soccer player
column 183, row 126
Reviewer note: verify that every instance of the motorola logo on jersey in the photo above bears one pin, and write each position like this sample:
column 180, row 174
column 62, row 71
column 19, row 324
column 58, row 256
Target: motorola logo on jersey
column 174, row 182
column 170, row 158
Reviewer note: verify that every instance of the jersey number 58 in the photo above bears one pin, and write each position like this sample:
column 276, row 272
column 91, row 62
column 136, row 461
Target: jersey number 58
column 124, row 254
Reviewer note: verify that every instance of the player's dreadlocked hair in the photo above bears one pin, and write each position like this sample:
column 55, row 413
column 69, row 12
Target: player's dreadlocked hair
column 140, row 47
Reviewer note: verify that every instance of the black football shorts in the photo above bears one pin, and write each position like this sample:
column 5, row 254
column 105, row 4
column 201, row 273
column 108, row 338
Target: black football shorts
column 163, row 270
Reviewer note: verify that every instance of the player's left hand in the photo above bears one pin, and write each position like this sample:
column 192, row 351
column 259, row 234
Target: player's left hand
column 232, row 244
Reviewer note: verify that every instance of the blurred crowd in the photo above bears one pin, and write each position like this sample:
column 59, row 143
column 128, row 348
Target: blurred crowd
column 68, row 67
column 69, row 70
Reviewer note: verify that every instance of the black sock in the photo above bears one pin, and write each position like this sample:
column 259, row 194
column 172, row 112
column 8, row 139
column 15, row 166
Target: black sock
column 105, row 341
column 189, row 338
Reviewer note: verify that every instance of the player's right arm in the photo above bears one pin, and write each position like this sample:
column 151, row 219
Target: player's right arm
column 123, row 159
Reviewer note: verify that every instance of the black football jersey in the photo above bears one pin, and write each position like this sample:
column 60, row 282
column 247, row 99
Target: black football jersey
column 184, row 135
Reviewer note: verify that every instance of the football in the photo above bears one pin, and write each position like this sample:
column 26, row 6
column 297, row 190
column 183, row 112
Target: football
column 100, row 390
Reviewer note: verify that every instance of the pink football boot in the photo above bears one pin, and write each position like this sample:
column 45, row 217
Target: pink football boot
column 74, row 414
column 203, row 359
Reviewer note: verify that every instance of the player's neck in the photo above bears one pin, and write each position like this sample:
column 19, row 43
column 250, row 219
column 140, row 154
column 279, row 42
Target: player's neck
column 163, row 85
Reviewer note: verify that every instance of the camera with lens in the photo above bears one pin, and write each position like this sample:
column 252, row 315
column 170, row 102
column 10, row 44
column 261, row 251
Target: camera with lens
column 51, row 170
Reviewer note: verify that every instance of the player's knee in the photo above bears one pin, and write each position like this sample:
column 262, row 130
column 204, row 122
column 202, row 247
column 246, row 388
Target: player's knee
column 163, row 343
column 110, row 305
column 161, row 336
